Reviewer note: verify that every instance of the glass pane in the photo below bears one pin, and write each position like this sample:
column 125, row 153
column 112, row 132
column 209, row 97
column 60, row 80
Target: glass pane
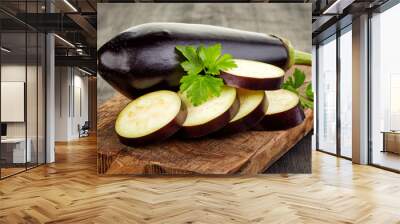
column 13, row 86
column 327, row 97
column 345, row 94
column 23, row 82
column 385, row 84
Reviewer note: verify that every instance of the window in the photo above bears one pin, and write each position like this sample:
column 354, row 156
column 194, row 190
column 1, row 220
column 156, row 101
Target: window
column 22, row 101
column 327, row 96
column 385, row 89
column 346, row 92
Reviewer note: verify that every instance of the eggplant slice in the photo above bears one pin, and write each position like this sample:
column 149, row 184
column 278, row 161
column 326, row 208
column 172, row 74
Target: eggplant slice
column 152, row 117
column 283, row 112
column 254, row 75
column 210, row 116
column 253, row 107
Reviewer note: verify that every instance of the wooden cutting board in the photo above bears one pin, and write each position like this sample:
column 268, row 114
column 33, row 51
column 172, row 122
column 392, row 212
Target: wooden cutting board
column 248, row 152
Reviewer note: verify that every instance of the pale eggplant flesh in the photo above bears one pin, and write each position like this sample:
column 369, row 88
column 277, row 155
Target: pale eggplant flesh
column 150, row 118
column 143, row 58
column 253, row 107
column 210, row 116
column 284, row 111
column 253, row 75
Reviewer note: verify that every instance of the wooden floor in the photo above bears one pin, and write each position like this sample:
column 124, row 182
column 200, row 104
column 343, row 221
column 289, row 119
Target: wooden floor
column 70, row 191
column 10, row 171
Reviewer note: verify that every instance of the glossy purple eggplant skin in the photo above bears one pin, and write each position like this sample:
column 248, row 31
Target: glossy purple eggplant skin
column 252, row 83
column 247, row 122
column 283, row 120
column 144, row 59
column 211, row 126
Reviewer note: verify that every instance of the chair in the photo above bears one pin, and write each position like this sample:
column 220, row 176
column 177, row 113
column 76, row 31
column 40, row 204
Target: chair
column 84, row 130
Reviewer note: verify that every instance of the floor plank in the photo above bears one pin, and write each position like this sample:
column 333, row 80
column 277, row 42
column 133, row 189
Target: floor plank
column 69, row 191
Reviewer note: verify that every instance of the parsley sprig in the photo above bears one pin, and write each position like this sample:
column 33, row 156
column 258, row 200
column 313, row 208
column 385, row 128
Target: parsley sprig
column 203, row 65
column 293, row 84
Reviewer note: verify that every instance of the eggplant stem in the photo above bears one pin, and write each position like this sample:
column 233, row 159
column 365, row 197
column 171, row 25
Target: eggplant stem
column 302, row 58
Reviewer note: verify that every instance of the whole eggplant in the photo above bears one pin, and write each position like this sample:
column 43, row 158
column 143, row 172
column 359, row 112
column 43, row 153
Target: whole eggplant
column 144, row 59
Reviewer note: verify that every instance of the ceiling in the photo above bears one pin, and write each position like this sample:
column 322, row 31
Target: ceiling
column 330, row 16
column 74, row 22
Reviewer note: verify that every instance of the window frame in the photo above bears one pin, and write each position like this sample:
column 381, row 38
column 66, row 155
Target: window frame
column 381, row 9
column 334, row 37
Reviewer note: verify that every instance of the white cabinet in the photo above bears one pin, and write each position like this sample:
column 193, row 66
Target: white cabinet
column 16, row 150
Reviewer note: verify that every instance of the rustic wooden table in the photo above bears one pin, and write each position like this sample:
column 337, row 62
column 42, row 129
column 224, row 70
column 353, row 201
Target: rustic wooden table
column 249, row 152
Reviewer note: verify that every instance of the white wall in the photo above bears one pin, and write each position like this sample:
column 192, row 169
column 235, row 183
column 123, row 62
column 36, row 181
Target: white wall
column 80, row 110
column 61, row 103
column 70, row 83
column 15, row 72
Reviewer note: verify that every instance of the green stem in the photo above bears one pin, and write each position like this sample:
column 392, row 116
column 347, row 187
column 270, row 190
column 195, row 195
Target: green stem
column 296, row 57
column 302, row 58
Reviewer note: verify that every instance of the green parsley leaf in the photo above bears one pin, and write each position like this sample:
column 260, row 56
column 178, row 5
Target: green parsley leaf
column 299, row 78
column 198, row 88
column 225, row 62
column 193, row 65
column 191, row 68
column 189, row 52
column 309, row 92
column 292, row 89
column 294, row 83
column 210, row 54
column 201, row 66
column 290, row 81
column 306, row 103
